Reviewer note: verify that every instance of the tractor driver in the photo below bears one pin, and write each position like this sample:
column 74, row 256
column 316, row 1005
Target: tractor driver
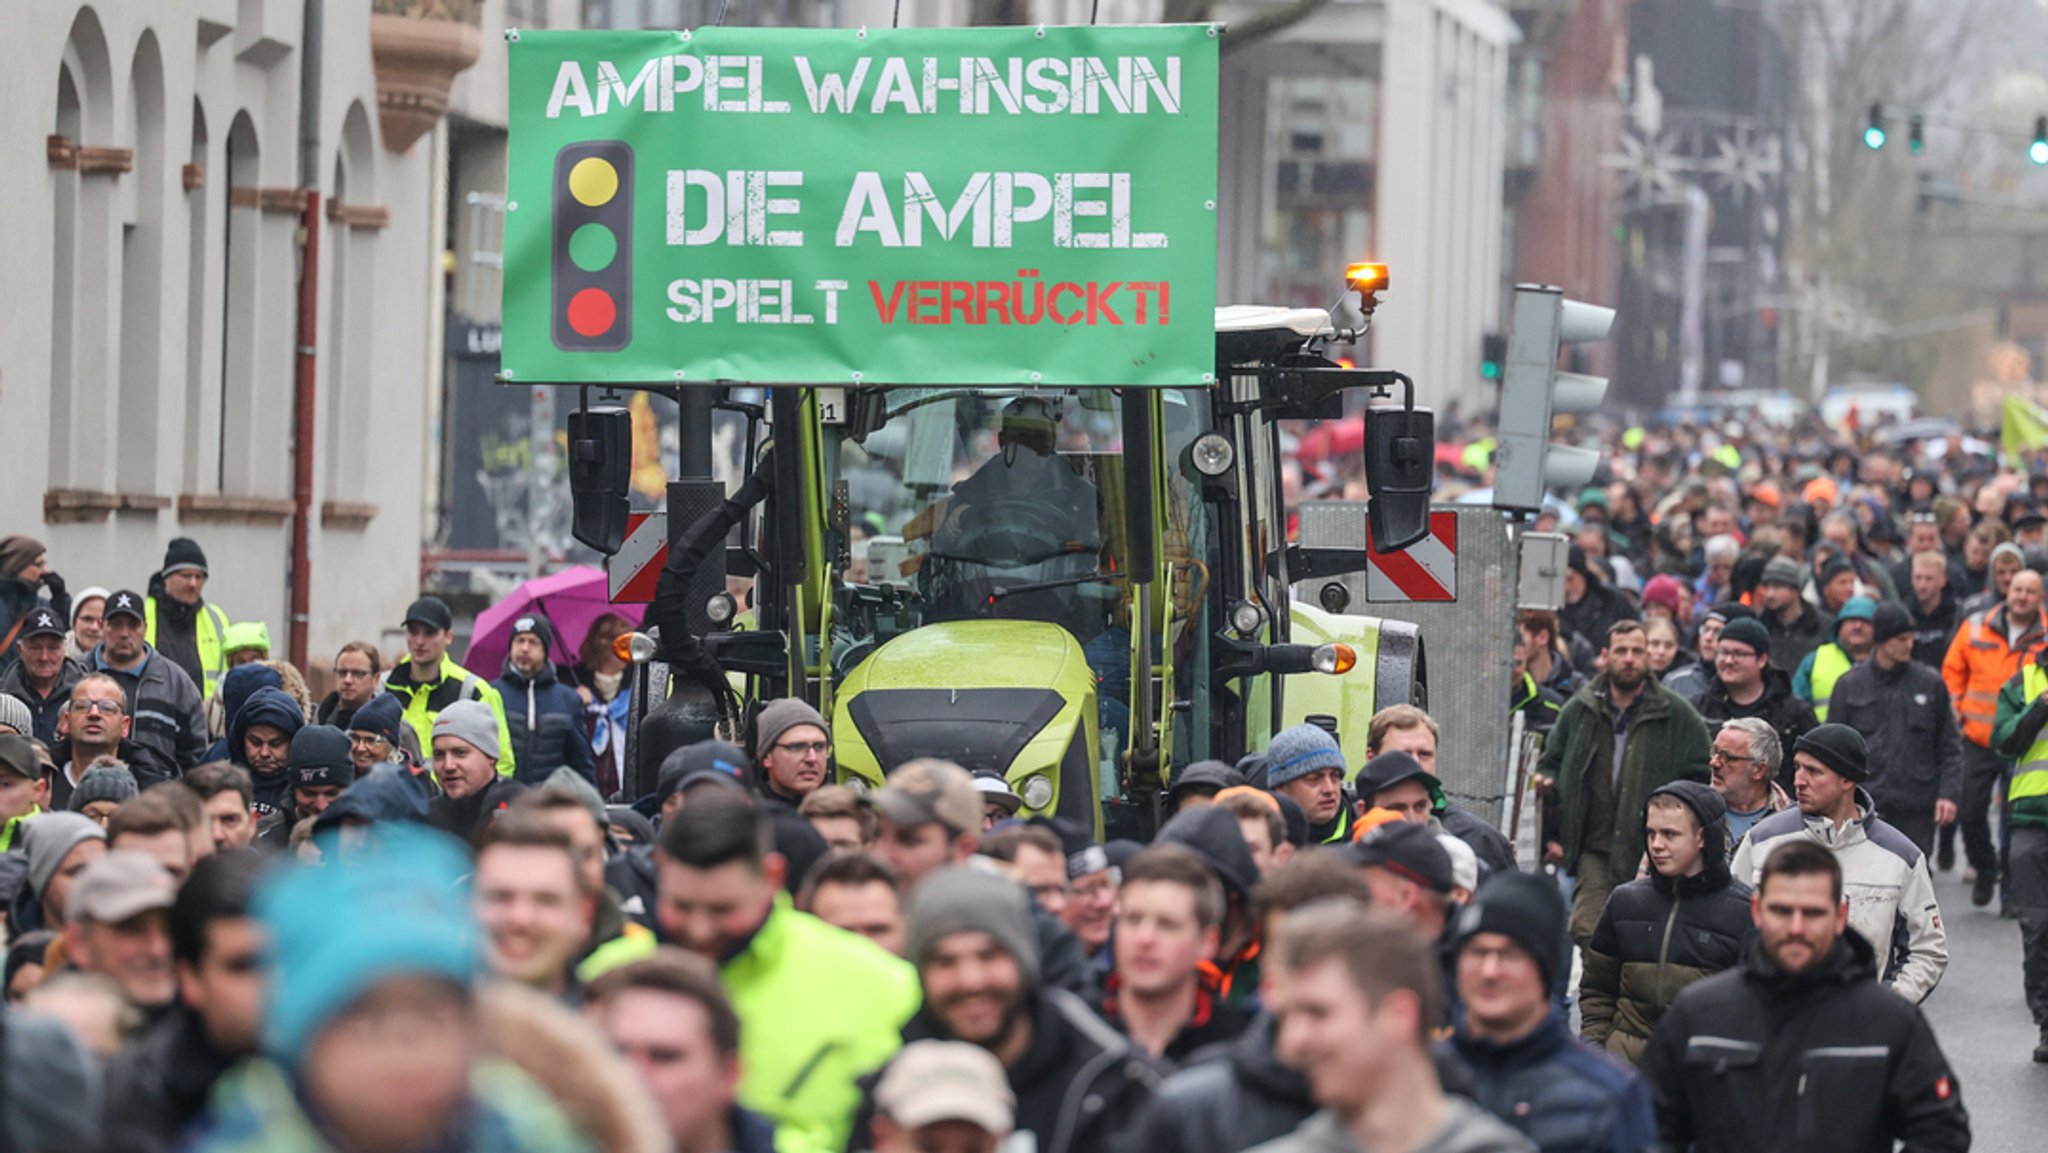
column 1024, row 517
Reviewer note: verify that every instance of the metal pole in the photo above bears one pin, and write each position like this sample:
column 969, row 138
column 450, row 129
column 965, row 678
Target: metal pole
column 309, row 314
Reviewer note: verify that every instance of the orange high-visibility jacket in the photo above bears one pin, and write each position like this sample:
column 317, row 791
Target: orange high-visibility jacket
column 1980, row 660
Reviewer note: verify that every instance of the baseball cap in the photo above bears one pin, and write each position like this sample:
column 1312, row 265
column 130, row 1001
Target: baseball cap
column 18, row 754
column 1408, row 851
column 432, row 612
column 926, row 790
column 126, row 602
column 118, row 886
column 42, row 623
column 1391, row 768
column 934, row 1081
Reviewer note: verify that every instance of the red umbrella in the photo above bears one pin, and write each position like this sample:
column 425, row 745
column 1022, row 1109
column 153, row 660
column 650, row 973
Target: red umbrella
column 571, row 600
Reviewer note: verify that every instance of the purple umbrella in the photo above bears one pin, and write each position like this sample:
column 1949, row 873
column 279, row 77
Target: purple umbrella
column 571, row 600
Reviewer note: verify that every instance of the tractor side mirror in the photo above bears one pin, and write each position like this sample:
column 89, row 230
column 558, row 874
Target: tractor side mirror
column 600, row 466
column 1400, row 455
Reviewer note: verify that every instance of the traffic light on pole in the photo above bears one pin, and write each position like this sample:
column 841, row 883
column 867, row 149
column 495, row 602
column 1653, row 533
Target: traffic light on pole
column 2038, row 150
column 1533, row 391
column 1915, row 142
column 592, row 271
column 1873, row 132
column 1493, row 355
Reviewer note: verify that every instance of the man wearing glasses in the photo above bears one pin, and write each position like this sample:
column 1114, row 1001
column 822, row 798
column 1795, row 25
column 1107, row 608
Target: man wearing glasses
column 1745, row 684
column 1744, row 761
column 793, row 749
column 96, row 724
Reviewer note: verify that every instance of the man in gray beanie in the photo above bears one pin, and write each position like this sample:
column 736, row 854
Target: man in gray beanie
column 1795, row 628
column 793, row 747
column 60, row 846
column 101, row 790
column 1889, row 872
column 1305, row 763
column 466, row 766
column 1077, row 1082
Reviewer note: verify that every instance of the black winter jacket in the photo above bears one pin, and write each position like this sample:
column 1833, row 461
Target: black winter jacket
column 1932, row 631
column 1494, row 853
column 158, row 1083
column 1562, row 1094
column 1916, row 750
column 1078, row 1087
column 545, row 718
column 1791, row 642
column 1823, row 1061
column 1656, row 936
column 1242, row 1097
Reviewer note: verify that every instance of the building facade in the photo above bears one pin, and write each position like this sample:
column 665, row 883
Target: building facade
column 151, row 325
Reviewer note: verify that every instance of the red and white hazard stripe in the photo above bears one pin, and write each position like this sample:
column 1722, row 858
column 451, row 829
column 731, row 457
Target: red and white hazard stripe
column 1424, row 571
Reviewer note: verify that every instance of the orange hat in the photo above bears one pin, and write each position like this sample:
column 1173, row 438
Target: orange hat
column 1820, row 488
column 1249, row 791
column 1373, row 819
column 1766, row 492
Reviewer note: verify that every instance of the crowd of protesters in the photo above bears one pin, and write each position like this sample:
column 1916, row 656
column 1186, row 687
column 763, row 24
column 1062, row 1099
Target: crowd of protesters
column 423, row 914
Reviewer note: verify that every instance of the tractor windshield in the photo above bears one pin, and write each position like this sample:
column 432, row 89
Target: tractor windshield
column 974, row 503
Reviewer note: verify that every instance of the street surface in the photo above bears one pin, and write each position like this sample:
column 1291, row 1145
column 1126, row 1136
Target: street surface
column 1981, row 1019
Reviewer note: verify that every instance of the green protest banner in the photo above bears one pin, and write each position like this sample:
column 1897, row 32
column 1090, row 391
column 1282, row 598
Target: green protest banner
column 999, row 206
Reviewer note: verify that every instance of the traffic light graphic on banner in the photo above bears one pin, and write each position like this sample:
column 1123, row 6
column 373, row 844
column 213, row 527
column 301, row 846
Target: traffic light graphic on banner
column 592, row 262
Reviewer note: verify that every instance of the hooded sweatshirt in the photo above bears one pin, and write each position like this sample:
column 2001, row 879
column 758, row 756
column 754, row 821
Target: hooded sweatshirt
column 276, row 708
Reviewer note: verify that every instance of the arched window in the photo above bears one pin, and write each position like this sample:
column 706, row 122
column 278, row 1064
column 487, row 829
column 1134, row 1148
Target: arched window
column 80, row 222
column 200, row 385
column 241, row 242
column 137, row 414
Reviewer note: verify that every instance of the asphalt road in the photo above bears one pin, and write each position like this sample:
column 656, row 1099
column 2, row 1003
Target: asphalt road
column 1981, row 1019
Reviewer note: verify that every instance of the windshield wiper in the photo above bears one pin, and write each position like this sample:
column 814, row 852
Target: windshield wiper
column 1064, row 582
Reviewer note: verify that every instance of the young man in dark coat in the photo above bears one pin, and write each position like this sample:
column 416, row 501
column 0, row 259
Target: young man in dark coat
column 1688, row 919
column 1619, row 739
column 543, row 715
column 1902, row 709
column 1801, row 1047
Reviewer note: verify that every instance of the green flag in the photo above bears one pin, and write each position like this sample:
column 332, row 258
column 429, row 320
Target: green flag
column 2022, row 428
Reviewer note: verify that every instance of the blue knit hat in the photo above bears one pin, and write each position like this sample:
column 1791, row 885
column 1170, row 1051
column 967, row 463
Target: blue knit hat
column 400, row 907
column 382, row 715
column 1295, row 753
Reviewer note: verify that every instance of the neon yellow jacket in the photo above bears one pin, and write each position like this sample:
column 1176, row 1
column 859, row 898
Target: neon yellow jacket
column 819, row 1008
column 424, row 702
column 210, row 628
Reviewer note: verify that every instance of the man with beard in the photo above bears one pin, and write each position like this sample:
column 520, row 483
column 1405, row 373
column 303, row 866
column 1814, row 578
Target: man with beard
column 1745, row 763
column 1799, row 1047
column 1619, row 738
column 819, row 1007
column 1077, row 1082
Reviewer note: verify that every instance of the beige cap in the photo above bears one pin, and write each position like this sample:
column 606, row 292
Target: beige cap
column 934, row 1081
column 118, row 886
column 926, row 790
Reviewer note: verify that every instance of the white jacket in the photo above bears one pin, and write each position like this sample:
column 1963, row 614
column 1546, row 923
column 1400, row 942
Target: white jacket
column 1884, row 875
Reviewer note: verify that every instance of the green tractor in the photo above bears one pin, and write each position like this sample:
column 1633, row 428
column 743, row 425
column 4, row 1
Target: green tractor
column 1074, row 589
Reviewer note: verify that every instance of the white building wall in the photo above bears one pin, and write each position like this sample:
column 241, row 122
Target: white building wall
column 137, row 447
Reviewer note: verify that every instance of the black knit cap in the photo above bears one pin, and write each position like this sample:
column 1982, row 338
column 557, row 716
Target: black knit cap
column 1891, row 619
column 320, row 756
column 184, row 553
column 1840, row 748
column 1528, row 910
column 1748, row 631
